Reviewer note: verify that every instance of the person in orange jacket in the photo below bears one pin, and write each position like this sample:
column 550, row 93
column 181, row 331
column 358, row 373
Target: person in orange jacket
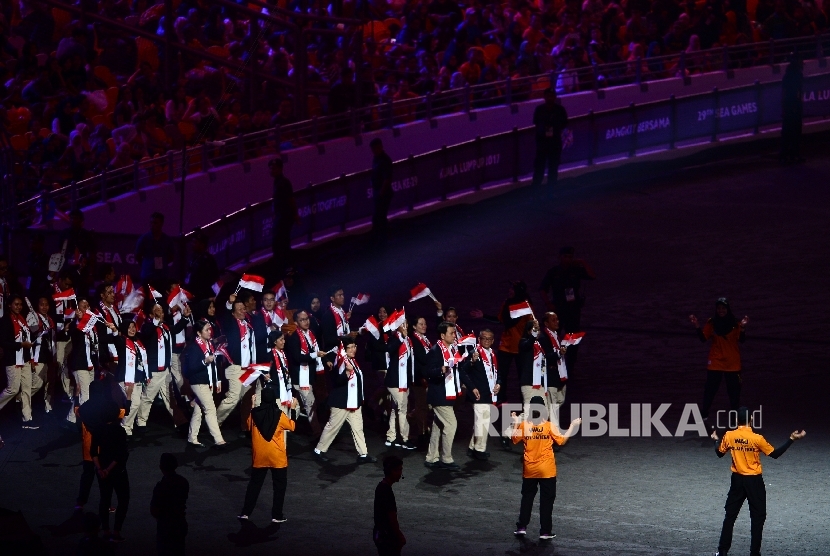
column 539, row 466
column 268, row 425
column 726, row 332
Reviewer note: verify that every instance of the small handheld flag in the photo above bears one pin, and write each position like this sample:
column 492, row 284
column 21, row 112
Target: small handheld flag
column 520, row 309
column 420, row 291
column 251, row 282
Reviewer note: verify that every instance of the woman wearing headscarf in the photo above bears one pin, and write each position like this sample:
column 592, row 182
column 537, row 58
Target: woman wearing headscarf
column 268, row 425
column 726, row 332
column 131, row 372
column 109, row 455
column 206, row 310
column 201, row 372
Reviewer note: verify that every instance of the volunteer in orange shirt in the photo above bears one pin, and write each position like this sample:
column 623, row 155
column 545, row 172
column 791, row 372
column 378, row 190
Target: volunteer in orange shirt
column 726, row 332
column 747, row 482
column 268, row 423
column 539, row 469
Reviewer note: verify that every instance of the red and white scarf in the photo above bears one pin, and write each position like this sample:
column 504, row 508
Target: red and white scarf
column 247, row 346
column 90, row 343
column 61, row 310
column 136, row 359
column 162, row 339
column 308, row 345
column 21, row 334
column 111, row 316
column 207, row 349
column 180, row 337
column 46, row 333
column 280, row 364
column 340, row 320
column 554, row 340
column 452, row 382
column 404, row 358
column 540, row 377
column 354, row 395
column 488, row 358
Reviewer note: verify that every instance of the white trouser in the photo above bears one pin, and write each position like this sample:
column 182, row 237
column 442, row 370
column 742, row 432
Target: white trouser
column 234, row 394
column 82, row 381
column 63, row 349
column 135, row 404
column 398, row 413
column 481, row 426
column 204, row 406
column 158, row 384
column 557, row 399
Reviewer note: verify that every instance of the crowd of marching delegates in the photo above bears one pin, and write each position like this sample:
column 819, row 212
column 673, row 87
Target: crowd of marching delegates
column 114, row 352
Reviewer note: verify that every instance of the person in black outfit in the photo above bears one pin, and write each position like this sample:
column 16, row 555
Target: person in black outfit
column 562, row 292
column 381, row 189
column 550, row 119
column 109, row 454
column 80, row 252
column 203, row 271
column 792, row 86
column 285, row 215
column 387, row 532
column 169, row 506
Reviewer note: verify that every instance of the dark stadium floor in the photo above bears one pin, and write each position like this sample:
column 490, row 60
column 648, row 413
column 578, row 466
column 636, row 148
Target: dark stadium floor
column 662, row 248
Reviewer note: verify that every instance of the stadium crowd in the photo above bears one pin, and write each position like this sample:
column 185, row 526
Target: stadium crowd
column 78, row 96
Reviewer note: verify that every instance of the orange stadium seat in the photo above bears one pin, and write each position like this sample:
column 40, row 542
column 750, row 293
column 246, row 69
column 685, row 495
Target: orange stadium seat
column 147, row 52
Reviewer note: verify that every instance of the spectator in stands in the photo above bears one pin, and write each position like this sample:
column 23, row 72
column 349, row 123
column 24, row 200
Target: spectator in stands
column 154, row 253
column 285, row 215
column 549, row 118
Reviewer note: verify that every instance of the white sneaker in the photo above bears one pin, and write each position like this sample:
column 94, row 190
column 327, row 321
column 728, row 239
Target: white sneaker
column 280, row 520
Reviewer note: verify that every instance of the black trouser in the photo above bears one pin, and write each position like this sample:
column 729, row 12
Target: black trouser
column 547, row 487
column 119, row 482
column 279, row 476
column 170, row 538
column 380, row 218
column 386, row 543
column 745, row 487
column 87, row 476
column 505, row 360
column 281, row 244
column 547, row 154
column 733, row 389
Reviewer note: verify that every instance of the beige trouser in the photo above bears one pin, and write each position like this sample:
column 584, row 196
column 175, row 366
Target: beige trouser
column 557, row 398
column 204, row 405
column 135, row 403
column 43, row 375
column 481, row 426
column 234, row 394
column 339, row 416
column 159, row 384
column 443, row 428
column 62, row 353
column 398, row 413
column 82, row 381
column 309, row 406
column 22, row 379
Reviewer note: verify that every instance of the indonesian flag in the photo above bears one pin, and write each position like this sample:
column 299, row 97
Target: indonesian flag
column 87, row 322
column 419, row 291
column 372, row 326
column 395, row 320
column 153, row 293
column 178, row 296
column 252, row 373
column 361, row 299
column 468, row 340
column 217, row 286
column 571, row 339
column 123, row 287
column 133, row 301
column 252, row 282
column 139, row 318
column 279, row 290
column 340, row 359
column 520, row 309
column 65, row 295
column 220, row 346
